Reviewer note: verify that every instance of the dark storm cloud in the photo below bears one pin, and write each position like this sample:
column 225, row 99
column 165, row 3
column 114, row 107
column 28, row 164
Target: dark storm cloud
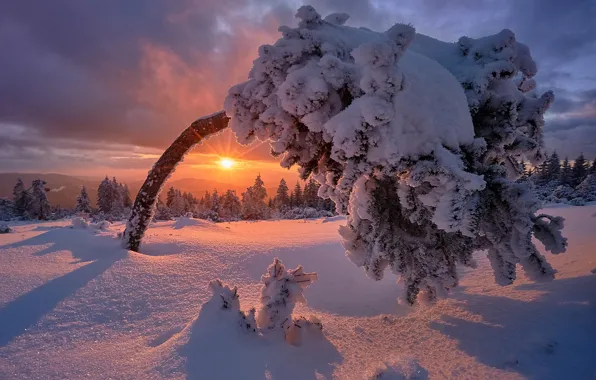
column 135, row 72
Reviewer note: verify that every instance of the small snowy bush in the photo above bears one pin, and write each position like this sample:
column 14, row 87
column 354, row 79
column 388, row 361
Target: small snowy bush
column 228, row 299
column 418, row 141
column 4, row 229
column 282, row 290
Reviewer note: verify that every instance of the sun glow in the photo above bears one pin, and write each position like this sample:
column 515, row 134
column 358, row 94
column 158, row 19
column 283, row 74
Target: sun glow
column 226, row 163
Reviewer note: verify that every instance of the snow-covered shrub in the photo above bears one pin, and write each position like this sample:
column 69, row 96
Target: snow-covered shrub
column 398, row 369
column 305, row 213
column 282, row 290
column 587, row 188
column 79, row 223
column 419, row 141
column 227, row 299
column 4, row 229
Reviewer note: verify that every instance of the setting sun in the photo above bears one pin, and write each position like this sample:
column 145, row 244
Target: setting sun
column 226, row 163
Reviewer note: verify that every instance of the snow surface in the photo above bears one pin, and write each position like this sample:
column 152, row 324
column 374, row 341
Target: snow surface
column 74, row 305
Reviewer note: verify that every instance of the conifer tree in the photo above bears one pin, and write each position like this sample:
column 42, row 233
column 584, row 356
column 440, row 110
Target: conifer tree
column 253, row 201
column 579, row 171
column 297, row 195
column 310, row 194
column 117, row 206
column 127, row 201
column 83, row 202
column 282, row 197
column 554, row 167
column 170, row 196
column 231, row 205
column 39, row 206
column 565, row 178
column 21, row 198
column 105, row 196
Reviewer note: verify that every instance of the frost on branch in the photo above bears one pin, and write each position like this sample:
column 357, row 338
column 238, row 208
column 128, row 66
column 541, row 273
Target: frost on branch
column 419, row 141
column 282, row 290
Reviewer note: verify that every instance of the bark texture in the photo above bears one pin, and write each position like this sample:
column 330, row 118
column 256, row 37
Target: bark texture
column 144, row 206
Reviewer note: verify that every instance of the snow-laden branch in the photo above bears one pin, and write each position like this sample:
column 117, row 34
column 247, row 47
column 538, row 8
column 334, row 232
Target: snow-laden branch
column 417, row 140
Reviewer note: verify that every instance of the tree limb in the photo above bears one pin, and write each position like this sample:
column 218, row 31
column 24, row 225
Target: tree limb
column 144, row 206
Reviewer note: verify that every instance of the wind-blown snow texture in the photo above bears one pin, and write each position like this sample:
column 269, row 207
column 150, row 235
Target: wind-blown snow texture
column 74, row 305
column 416, row 140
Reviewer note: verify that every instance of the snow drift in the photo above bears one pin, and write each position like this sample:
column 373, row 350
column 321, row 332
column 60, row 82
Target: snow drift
column 417, row 140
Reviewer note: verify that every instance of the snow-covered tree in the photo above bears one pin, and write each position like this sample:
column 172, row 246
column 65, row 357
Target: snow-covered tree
column 216, row 204
column 554, row 167
column 297, row 199
column 105, row 196
column 593, row 167
column 39, row 207
column 162, row 211
column 419, row 141
column 231, row 205
column 117, row 207
column 587, row 188
column 178, row 204
column 310, row 194
column 126, row 200
column 21, row 198
column 565, row 178
column 282, row 197
column 171, row 194
column 253, row 201
column 579, row 171
column 83, row 202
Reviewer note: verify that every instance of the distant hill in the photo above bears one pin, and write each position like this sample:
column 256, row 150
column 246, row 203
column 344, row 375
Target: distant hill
column 64, row 189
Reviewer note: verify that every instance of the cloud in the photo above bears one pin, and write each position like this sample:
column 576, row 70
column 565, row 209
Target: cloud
column 83, row 80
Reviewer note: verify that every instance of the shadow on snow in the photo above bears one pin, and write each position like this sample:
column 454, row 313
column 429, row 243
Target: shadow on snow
column 551, row 337
column 219, row 349
column 25, row 311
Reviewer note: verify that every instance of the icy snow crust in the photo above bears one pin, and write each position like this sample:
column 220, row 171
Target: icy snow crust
column 74, row 305
column 418, row 141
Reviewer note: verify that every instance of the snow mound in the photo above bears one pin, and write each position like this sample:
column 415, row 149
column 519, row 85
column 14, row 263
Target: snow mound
column 399, row 369
column 185, row 221
column 81, row 223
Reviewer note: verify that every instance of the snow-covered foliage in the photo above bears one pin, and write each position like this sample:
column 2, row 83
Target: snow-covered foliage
column 113, row 198
column 39, row 206
column 4, row 229
column 227, row 298
column 282, row 290
column 419, row 141
column 553, row 182
column 305, row 213
column 398, row 369
column 253, row 201
column 83, row 202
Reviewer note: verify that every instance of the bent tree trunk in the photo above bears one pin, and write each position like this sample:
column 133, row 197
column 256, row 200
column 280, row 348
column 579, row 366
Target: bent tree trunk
column 144, row 206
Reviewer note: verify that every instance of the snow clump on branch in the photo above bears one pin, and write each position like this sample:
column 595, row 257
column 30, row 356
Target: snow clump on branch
column 419, row 141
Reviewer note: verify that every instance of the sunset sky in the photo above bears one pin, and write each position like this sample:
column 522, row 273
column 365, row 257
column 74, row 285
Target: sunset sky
column 102, row 87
